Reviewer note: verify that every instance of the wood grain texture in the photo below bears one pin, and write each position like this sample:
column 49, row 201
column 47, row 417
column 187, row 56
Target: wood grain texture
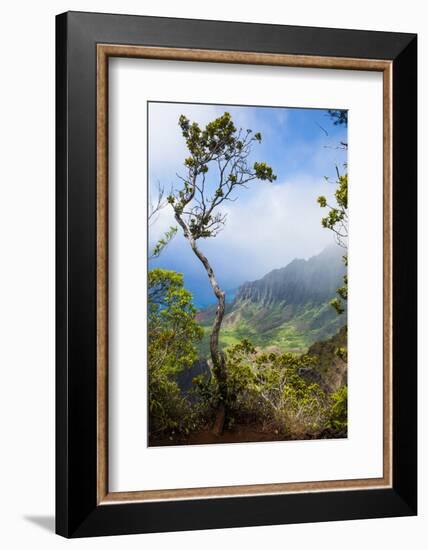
column 102, row 276
column 387, row 275
column 104, row 51
column 243, row 58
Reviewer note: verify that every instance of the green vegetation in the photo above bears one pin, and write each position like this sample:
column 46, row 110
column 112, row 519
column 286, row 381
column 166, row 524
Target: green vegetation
column 271, row 388
column 164, row 242
column 219, row 152
column 172, row 334
column 269, row 326
column 338, row 421
column 337, row 216
column 286, row 395
column 275, row 360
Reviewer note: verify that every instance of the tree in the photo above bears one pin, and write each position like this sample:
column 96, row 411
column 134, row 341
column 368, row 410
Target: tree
column 223, row 151
column 155, row 206
column 172, row 335
column 337, row 217
column 153, row 213
column 338, row 116
column 270, row 387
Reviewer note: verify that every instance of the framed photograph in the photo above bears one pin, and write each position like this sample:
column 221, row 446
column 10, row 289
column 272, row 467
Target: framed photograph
column 236, row 274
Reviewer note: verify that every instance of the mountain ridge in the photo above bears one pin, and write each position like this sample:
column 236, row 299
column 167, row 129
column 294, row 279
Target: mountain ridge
column 288, row 308
column 302, row 277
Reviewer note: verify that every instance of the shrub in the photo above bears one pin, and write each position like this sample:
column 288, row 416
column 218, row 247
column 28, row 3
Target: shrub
column 172, row 335
column 338, row 421
column 268, row 388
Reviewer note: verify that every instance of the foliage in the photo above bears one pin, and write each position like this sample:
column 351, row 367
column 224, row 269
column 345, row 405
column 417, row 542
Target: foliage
column 342, row 353
column 338, row 117
column 156, row 203
column 338, row 421
column 280, row 327
column 163, row 242
column 270, row 387
column 283, row 393
column 172, row 335
column 337, row 217
column 224, row 150
column 276, row 391
column 153, row 212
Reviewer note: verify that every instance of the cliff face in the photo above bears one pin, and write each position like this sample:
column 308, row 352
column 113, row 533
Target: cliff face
column 288, row 309
column 331, row 368
column 301, row 281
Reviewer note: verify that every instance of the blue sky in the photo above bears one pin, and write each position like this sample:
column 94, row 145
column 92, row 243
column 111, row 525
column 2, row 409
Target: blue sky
column 269, row 224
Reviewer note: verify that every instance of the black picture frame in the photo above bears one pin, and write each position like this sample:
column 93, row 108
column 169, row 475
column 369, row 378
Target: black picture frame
column 77, row 511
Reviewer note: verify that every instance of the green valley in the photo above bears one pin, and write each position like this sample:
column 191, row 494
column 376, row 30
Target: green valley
column 288, row 310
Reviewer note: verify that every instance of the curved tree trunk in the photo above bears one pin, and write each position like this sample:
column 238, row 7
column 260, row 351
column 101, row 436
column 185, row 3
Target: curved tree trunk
column 219, row 364
column 217, row 356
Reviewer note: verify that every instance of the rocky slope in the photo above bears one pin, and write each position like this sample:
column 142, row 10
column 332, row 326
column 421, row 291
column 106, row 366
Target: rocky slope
column 301, row 281
column 286, row 310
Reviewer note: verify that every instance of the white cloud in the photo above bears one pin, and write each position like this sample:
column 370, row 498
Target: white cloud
column 267, row 227
column 160, row 223
column 167, row 149
column 277, row 224
column 166, row 144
